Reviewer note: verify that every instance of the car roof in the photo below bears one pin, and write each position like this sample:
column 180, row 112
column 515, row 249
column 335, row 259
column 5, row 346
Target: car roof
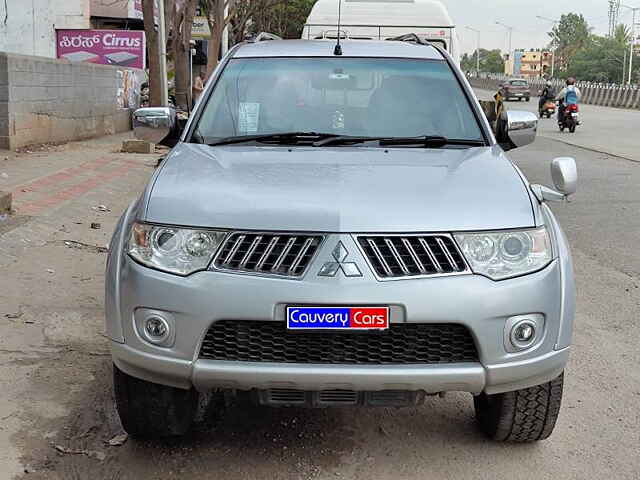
column 325, row 48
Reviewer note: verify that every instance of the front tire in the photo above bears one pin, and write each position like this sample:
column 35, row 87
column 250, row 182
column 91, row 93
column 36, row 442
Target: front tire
column 527, row 415
column 149, row 410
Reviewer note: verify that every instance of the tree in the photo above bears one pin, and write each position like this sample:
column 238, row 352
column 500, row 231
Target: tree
column 491, row 61
column 181, row 14
column 284, row 18
column 151, row 33
column 570, row 35
column 602, row 59
column 178, row 23
column 622, row 34
column 215, row 11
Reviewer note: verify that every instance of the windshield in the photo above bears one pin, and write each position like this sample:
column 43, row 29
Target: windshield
column 344, row 96
column 519, row 83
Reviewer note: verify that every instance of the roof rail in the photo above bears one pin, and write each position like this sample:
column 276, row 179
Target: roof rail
column 264, row 37
column 411, row 38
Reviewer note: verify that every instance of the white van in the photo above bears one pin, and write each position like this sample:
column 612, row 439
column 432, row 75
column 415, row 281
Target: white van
column 384, row 19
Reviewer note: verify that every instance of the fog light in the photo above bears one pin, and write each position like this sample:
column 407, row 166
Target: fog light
column 524, row 332
column 157, row 329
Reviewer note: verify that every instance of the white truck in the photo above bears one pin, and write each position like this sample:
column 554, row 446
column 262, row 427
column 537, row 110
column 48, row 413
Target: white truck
column 382, row 20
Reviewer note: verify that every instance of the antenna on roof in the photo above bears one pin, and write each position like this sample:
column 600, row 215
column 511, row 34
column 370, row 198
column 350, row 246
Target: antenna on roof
column 338, row 49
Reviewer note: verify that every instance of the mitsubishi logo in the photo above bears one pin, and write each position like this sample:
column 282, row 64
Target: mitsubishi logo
column 340, row 254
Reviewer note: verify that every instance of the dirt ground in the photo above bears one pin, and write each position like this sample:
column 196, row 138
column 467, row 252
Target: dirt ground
column 56, row 407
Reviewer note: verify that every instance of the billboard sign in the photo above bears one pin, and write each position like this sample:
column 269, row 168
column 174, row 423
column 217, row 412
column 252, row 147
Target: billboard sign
column 125, row 48
column 200, row 28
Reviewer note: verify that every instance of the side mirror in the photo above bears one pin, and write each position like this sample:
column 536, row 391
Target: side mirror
column 516, row 129
column 565, row 177
column 154, row 124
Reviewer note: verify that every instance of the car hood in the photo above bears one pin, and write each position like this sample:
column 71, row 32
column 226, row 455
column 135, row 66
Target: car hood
column 341, row 189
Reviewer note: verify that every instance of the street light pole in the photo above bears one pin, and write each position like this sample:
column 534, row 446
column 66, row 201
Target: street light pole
column 633, row 40
column 162, row 45
column 477, row 50
column 510, row 30
column 553, row 49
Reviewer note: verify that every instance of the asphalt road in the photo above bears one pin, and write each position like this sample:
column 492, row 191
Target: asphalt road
column 68, row 387
column 610, row 130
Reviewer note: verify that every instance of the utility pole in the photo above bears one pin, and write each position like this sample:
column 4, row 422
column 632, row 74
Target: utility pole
column 614, row 11
column 162, row 45
column 477, row 49
column 553, row 47
column 633, row 40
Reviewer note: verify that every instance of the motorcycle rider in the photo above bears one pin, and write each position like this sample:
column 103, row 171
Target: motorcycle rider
column 570, row 95
column 548, row 94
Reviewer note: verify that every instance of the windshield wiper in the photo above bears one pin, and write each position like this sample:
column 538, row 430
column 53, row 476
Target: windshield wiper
column 345, row 140
column 430, row 141
column 426, row 141
column 279, row 138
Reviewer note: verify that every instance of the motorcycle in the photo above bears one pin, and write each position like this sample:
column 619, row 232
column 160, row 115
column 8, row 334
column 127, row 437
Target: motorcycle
column 548, row 109
column 570, row 118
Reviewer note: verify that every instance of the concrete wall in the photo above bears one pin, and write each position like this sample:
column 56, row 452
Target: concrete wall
column 617, row 96
column 46, row 100
column 31, row 25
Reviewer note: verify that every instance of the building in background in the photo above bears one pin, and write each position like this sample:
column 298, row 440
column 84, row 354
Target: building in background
column 117, row 14
column 528, row 63
column 31, row 25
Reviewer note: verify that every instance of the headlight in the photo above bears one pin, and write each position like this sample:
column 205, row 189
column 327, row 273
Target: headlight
column 501, row 255
column 175, row 250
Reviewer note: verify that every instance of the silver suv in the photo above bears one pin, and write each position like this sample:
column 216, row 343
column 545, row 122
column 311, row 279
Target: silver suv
column 341, row 230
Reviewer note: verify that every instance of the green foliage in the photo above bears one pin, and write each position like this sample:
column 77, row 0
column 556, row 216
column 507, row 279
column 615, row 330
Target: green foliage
column 491, row 61
column 591, row 57
column 285, row 18
column 570, row 35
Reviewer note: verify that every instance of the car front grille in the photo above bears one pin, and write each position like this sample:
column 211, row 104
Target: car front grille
column 402, row 344
column 412, row 256
column 282, row 397
column 268, row 253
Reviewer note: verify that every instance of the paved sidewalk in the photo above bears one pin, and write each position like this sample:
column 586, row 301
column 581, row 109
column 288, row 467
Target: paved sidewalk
column 51, row 300
column 603, row 129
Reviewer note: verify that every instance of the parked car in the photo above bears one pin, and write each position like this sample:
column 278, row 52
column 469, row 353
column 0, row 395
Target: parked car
column 324, row 233
column 516, row 89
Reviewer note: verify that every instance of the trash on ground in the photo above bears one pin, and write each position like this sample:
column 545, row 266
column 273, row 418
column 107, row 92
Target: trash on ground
column 100, row 456
column 96, row 226
column 85, row 246
column 118, row 440
column 101, row 208
column 14, row 316
column 51, row 270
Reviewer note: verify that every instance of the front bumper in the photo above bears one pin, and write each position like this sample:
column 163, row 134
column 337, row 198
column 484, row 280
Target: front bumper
column 198, row 301
column 465, row 377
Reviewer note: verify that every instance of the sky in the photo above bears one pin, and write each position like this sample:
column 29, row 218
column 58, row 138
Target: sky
column 529, row 31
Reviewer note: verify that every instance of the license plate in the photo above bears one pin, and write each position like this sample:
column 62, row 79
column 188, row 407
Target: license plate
column 519, row 94
column 338, row 318
column 574, row 115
